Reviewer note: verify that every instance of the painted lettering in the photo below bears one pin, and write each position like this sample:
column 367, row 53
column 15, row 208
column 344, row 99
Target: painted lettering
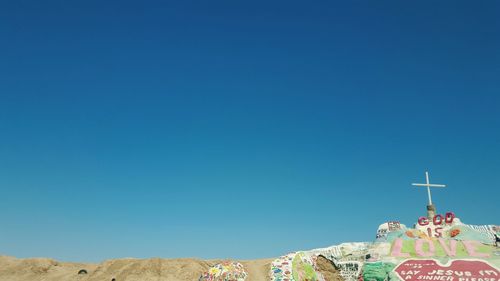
column 419, row 248
column 397, row 246
column 451, row 250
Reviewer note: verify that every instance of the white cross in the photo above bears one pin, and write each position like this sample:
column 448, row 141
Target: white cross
column 428, row 185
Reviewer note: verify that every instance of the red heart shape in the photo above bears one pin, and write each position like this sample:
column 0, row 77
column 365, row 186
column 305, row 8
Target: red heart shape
column 458, row 270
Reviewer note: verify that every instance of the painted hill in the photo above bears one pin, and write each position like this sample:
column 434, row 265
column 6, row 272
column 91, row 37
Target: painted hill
column 437, row 248
column 441, row 248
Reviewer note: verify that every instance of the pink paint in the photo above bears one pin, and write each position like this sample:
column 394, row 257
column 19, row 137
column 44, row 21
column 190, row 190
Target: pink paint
column 450, row 251
column 449, row 248
column 396, row 249
column 470, row 247
column 419, row 248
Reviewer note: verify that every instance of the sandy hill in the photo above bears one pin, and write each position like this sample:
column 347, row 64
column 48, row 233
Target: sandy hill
column 38, row 269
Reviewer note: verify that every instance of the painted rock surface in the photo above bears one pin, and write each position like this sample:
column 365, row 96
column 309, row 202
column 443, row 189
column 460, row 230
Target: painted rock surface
column 225, row 271
column 441, row 248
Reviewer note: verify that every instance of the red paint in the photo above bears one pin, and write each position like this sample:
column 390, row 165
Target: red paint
column 423, row 221
column 439, row 232
column 458, row 270
column 438, row 219
column 449, row 217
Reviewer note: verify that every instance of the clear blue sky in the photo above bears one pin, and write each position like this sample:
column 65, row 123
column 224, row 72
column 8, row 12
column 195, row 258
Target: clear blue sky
column 242, row 129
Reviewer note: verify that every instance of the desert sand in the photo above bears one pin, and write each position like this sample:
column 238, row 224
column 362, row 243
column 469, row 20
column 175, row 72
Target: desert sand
column 155, row 269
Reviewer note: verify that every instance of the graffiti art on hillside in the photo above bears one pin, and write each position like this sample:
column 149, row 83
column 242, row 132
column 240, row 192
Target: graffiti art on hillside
column 436, row 226
column 382, row 233
column 330, row 253
column 440, row 248
column 386, row 232
column 349, row 270
column 487, row 233
column 226, row 271
column 377, row 271
column 303, row 268
column 281, row 268
column 343, row 252
column 354, row 252
column 456, row 270
column 394, row 225
column 295, row 267
column 413, row 234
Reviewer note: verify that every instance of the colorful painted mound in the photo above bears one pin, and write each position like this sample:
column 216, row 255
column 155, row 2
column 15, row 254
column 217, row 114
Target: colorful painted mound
column 281, row 268
column 295, row 266
column 225, row 271
column 441, row 248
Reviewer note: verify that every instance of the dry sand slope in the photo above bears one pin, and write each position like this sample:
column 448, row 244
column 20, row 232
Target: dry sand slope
column 12, row 269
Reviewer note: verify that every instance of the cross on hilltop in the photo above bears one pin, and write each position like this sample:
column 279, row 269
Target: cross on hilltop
column 431, row 209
